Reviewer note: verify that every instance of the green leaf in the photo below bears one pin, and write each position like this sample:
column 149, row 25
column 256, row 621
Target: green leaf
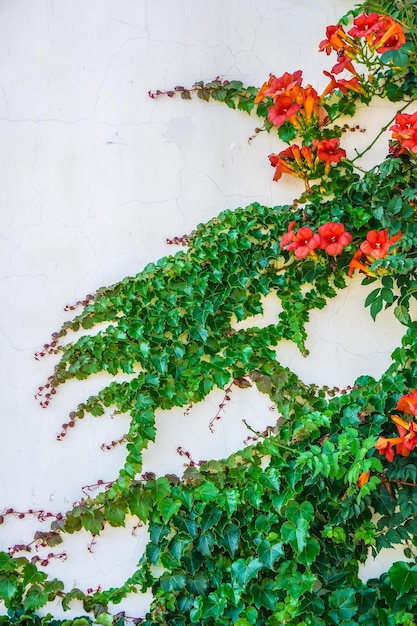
column 372, row 296
column 295, row 534
column 209, row 518
column 343, row 604
column 172, row 582
column 229, row 538
column 115, row 513
column 402, row 314
column 264, row 594
column 206, row 492
column 296, row 511
column 403, row 577
column 35, row 598
column 268, row 553
column 8, row 587
column 198, row 584
column 244, row 570
column 168, row 508
column 310, row 552
column 376, row 307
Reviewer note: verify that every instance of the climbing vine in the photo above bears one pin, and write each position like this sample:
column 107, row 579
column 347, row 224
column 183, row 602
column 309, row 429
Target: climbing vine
column 275, row 533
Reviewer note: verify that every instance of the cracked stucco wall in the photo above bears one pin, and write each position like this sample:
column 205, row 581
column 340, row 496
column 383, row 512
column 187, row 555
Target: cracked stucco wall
column 95, row 177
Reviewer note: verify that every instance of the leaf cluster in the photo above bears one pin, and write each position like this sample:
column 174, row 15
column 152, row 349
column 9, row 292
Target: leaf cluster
column 275, row 533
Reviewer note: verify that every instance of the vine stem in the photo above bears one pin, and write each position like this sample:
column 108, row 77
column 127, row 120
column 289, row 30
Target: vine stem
column 258, row 434
column 381, row 132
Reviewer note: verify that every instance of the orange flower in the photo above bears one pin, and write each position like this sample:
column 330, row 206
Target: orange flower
column 328, row 150
column 405, row 131
column 408, row 403
column 275, row 86
column 310, row 101
column 377, row 243
column 334, row 238
column 344, row 63
column 337, row 39
column 384, row 446
column 389, row 36
column 304, row 242
column 363, row 479
column 408, row 433
column 365, row 25
column 344, row 85
column 359, row 262
column 283, row 109
column 293, row 160
column 288, row 237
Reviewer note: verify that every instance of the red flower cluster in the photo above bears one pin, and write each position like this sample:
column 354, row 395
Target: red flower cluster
column 381, row 33
column 407, row 431
column 375, row 246
column 404, row 133
column 331, row 237
column 302, row 107
column 372, row 33
column 307, row 162
column 291, row 101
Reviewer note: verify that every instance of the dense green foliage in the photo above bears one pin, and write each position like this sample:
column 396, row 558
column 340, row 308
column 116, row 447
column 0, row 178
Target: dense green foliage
column 275, row 533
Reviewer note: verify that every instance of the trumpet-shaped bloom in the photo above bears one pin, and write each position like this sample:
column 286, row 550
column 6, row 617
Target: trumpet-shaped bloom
column 275, row 86
column 337, row 39
column 408, row 403
column 283, row 109
column 334, row 237
column 359, row 262
column 363, row 479
column 344, row 85
column 294, row 160
column 365, row 25
column 328, row 150
column 377, row 243
column 389, row 36
column 405, row 131
column 344, row 63
column 385, row 447
column 304, row 242
column 309, row 99
column 288, row 237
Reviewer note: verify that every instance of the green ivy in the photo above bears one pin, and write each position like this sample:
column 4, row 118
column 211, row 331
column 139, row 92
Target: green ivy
column 275, row 533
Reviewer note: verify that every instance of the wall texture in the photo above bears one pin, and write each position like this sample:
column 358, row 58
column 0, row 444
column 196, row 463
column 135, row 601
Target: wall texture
column 95, row 176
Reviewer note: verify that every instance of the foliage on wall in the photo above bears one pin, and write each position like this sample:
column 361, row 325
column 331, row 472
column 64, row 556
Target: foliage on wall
column 275, row 533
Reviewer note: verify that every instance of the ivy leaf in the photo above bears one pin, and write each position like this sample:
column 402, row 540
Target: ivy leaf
column 230, row 536
column 178, row 545
column 35, row 598
column 168, row 508
column 296, row 511
column 264, row 594
column 295, row 534
column 209, row 518
column 8, row 587
column 32, row 575
column 211, row 606
column 403, row 577
column 244, row 570
column 115, row 513
column 310, row 552
column 343, row 604
column 206, row 491
column 173, row 582
column 198, row 584
column 268, row 553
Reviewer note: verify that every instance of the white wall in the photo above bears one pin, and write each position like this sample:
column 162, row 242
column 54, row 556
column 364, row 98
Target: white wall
column 95, row 176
